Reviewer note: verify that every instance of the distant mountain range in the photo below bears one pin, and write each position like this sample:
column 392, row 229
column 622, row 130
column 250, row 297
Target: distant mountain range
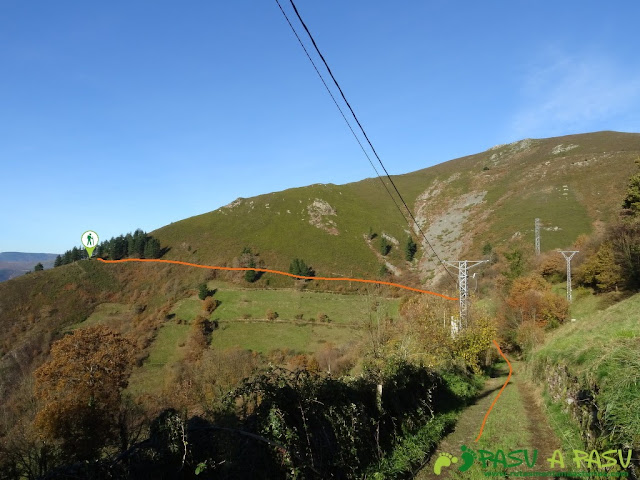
column 14, row 264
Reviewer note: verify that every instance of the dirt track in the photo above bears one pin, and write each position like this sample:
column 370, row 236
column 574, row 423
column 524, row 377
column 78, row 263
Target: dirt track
column 517, row 421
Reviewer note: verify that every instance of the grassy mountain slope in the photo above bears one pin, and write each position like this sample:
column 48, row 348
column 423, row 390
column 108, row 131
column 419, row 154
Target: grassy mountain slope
column 570, row 182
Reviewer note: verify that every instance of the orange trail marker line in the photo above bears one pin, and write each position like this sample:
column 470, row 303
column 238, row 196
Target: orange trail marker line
column 361, row 280
column 497, row 396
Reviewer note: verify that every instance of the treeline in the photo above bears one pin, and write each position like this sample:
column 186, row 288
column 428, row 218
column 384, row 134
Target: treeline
column 138, row 244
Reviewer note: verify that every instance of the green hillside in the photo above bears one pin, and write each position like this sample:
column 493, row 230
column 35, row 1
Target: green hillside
column 570, row 182
column 592, row 365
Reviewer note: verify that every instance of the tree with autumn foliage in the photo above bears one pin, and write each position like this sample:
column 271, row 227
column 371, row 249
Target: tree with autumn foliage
column 531, row 299
column 79, row 390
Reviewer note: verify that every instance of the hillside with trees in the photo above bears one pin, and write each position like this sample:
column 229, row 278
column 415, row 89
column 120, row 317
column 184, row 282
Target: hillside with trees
column 155, row 370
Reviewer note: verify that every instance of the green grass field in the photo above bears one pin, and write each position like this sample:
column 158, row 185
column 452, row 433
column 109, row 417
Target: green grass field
column 264, row 337
column 243, row 324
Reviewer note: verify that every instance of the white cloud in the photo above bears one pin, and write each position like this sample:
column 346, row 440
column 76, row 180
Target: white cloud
column 573, row 95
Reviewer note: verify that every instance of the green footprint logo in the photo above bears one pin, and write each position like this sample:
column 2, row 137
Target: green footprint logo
column 443, row 460
column 468, row 458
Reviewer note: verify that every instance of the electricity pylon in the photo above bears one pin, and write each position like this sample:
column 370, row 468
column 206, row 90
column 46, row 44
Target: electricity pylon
column 463, row 267
column 537, row 233
column 568, row 255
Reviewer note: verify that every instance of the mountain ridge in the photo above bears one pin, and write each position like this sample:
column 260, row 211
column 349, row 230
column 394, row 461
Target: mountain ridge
column 461, row 204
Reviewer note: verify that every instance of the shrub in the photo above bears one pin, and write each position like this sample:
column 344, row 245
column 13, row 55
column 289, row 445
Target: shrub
column 271, row 315
column 385, row 246
column 299, row 267
column 601, row 271
column 210, row 304
column 323, row 317
column 203, row 291
column 410, row 249
column 625, row 243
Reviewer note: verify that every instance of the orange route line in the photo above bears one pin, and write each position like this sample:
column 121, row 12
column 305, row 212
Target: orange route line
column 497, row 396
column 361, row 280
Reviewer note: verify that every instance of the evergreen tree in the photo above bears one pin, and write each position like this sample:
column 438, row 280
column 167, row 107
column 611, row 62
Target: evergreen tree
column 410, row 249
column 66, row 258
column 75, row 254
column 251, row 275
column 118, row 248
column 139, row 243
column 298, row 267
column 130, row 245
column 385, row 247
column 58, row 261
column 38, row 268
column 203, row 291
column 631, row 202
column 152, row 248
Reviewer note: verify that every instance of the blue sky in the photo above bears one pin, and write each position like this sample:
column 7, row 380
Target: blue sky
column 118, row 115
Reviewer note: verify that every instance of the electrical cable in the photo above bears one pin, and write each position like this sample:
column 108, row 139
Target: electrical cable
column 417, row 225
column 341, row 112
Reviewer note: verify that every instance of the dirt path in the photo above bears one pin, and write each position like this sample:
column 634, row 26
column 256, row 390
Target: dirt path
column 516, row 422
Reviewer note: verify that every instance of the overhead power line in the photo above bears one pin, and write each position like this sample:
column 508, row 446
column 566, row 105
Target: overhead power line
column 341, row 112
column 415, row 222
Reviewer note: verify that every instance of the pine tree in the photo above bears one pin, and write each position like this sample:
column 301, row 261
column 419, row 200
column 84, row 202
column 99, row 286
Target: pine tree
column 58, row 261
column 139, row 242
column 75, row 254
column 152, row 248
column 118, row 248
column 38, row 268
column 298, row 267
column 410, row 249
column 385, row 248
column 251, row 275
column 203, row 291
column 631, row 202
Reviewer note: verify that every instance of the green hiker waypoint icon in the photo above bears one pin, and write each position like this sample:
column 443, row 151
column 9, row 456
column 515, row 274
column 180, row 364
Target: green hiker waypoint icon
column 90, row 241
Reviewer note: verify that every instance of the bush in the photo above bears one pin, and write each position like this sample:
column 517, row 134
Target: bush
column 210, row 304
column 625, row 243
column 600, row 271
column 323, row 317
column 203, row 291
column 271, row 315
column 410, row 249
column 385, row 246
column 298, row 267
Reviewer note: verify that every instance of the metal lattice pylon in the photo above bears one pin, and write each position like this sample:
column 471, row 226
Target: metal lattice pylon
column 463, row 267
column 568, row 255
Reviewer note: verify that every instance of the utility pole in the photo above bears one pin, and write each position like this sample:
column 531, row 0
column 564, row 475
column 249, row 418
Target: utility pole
column 463, row 267
column 568, row 255
column 537, row 231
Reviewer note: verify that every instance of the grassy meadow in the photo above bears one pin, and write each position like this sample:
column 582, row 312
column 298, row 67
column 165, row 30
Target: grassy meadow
column 242, row 320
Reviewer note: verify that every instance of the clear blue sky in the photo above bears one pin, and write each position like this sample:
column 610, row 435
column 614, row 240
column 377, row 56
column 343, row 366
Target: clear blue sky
column 117, row 115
